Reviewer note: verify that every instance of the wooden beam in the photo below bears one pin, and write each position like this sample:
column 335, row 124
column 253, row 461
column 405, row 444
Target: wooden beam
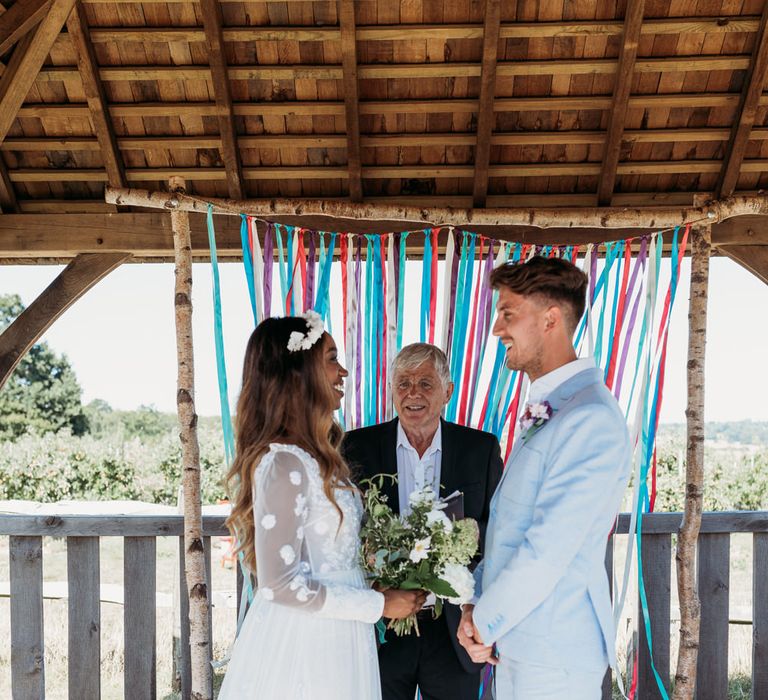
column 747, row 112
column 8, row 202
column 485, row 116
column 402, row 71
column 77, row 27
column 596, row 217
column 445, row 32
column 752, row 257
column 19, row 19
column 148, row 235
column 346, row 11
column 509, row 104
column 15, row 84
column 74, row 281
column 212, row 21
column 633, row 21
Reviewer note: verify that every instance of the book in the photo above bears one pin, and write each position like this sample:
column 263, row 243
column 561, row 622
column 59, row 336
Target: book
column 454, row 505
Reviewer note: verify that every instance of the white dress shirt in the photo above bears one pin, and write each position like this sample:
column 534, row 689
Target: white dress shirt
column 414, row 472
column 547, row 383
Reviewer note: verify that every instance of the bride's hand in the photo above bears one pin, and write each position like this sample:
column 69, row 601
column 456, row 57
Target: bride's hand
column 399, row 603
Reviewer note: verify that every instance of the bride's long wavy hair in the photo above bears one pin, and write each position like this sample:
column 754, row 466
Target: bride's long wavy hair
column 286, row 397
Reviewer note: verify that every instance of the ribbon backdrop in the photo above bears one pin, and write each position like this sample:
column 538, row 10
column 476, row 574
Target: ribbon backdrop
column 625, row 328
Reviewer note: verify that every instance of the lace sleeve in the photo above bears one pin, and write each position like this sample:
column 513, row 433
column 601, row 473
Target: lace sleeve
column 280, row 515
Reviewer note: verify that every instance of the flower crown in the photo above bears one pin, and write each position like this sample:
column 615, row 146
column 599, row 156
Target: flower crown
column 304, row 341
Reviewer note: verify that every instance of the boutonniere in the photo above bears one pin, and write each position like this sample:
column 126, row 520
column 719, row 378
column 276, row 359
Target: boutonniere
column 535, row 416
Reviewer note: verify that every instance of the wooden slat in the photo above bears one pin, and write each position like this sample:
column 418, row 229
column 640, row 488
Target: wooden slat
column 346, row 10
column 185, row 661
column 212, row 20
column 77, row 28
column 485, row 116
column 15, row 84
column 713, row 566
column 403, row 71
column 657, row 566
column 750, row 96
column 84, row 630
column 209, row 587
column 446, row 32
column 139, row 580
column 27, row 656
column 760, row 616
column 20, row 18
column 618, row 113
column 607, row 689
column 374, row 107
column 74, row 281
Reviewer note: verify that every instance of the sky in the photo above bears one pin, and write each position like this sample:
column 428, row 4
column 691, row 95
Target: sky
column 120, row 337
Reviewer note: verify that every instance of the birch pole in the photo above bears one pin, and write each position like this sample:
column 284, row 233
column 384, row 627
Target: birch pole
column 194, row 558
column 688, row 535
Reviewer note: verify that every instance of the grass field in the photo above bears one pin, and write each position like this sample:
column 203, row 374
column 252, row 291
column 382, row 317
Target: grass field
column 224, row 617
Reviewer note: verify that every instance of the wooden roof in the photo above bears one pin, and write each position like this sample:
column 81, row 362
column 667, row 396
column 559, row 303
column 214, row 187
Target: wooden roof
column 427, row 102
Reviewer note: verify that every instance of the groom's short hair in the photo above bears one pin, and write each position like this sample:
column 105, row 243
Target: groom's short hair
column 553, row 279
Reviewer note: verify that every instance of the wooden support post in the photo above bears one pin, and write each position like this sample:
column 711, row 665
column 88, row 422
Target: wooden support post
column 690, row 605
column 347, row 25
column 73, row 281
column 485, row 116
column 194, row 557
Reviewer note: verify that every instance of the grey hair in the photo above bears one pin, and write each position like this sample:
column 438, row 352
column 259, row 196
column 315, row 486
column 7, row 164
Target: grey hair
column 416, row 354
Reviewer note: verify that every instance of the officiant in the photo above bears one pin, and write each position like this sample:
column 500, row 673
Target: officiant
column 423, row 449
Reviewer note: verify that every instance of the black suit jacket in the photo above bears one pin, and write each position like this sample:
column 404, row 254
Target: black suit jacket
column 470, row 463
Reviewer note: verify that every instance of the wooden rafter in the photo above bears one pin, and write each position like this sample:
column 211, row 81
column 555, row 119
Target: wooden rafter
column 20, row 74
column 485, row 114
column 19, row 19
column 351, row 111
column 627, row 57
column 8, row 203
column 77, row 27
column 507, row 69
column 212, row 20
column 74, row 281
column 750, row 99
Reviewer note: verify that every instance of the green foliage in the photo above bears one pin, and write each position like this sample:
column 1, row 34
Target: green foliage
column 43, row 394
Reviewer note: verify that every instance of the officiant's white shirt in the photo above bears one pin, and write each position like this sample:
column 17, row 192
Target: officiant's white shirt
column 414, row 472
column 547, row 383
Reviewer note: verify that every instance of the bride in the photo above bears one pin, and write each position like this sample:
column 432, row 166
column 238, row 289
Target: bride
column 308, row 634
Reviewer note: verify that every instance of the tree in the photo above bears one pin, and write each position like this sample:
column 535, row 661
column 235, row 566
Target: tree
column 43, row 394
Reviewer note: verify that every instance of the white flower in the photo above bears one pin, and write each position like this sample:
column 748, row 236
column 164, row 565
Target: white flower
column 295, row 478
column 295, row 341
column 436, row 516
column 301, row 505
column 425, row 495
column 287, row 554
column 268, row 521
column 302, row 595
column 461, row 580
column 304, row 341
column 297, row 582
column 267, row 593
column 300, row 532
column 420, row 550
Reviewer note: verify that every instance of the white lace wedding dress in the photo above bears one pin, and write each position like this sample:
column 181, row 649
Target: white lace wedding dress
column 308, row 634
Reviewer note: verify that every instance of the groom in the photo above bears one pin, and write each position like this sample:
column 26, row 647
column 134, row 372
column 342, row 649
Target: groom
column 422, row 449
column 542, row 609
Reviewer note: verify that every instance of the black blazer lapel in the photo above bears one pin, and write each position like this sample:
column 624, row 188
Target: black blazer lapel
column 388, row 463
column 448, row 476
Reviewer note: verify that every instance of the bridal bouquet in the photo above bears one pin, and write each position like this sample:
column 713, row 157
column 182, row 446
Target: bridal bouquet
column 422, row 550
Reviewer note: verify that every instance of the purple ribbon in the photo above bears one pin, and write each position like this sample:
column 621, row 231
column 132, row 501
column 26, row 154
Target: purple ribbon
column 359, row 339
column 639, row 263
column 481, row 337
column 454, row 284
column 309, row 292
column 269, row 262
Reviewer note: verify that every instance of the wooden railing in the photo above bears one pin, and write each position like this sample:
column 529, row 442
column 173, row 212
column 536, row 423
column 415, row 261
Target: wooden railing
column 139, row 533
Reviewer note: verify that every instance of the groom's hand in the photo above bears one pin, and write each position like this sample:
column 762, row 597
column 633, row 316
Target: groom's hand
column 469, row 638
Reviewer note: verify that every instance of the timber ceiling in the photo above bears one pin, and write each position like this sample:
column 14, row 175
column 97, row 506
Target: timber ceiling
column 420, row 101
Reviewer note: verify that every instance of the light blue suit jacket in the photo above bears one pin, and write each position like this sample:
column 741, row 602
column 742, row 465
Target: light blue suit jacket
column 542, row 589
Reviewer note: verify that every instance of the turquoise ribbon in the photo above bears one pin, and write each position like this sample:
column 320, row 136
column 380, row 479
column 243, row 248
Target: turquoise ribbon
column 614, row 310
column 322, row 299
column 218, row 334
column 281, row 265
column 426, row 285
column 289, row 245
column 369, row 400
column 248, row 264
